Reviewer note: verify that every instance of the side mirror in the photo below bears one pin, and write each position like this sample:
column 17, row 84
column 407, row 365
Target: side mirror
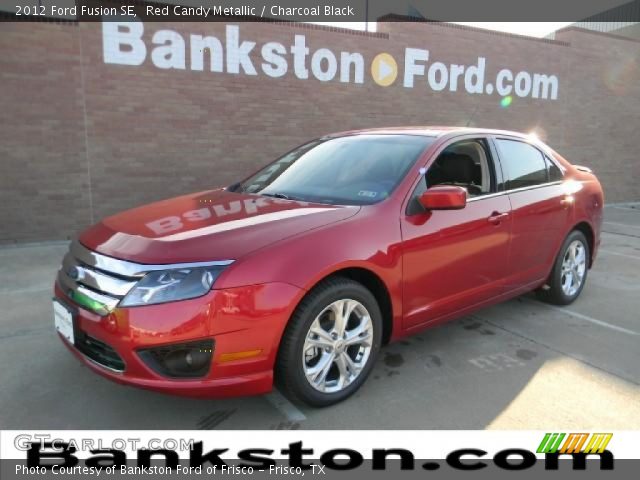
column 443, row 197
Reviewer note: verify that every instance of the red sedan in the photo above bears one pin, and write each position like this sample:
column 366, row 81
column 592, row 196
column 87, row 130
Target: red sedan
column 302, row 271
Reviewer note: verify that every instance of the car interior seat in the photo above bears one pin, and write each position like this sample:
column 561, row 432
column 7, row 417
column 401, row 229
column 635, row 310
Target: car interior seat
column 458, row 169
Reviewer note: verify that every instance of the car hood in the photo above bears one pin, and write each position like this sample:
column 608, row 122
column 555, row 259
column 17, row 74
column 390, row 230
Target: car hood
column 206, row 226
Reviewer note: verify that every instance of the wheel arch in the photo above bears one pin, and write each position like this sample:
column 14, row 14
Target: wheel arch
column 378, row 288
column 587, row 231
column 372, row 282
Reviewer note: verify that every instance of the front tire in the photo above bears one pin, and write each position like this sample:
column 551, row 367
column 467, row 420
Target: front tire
column 331, row 343
column 569, row 272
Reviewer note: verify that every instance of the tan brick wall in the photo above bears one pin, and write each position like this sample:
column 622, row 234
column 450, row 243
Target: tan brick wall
column 81, row 139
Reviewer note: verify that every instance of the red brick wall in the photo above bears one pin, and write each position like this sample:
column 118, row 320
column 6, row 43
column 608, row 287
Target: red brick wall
column 81, row 139
column 44, row 186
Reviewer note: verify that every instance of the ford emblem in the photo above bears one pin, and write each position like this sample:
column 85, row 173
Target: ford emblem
column 75, row 273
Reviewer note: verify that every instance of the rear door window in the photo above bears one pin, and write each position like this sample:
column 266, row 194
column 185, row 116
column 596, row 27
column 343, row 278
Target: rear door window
column 555, row 174
column 523, row 164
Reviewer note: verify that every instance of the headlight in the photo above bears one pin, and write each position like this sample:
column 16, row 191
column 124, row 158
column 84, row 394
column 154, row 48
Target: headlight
column 171, row 285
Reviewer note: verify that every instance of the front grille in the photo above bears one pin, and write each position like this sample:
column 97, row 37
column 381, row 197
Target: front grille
column 95, row 281
column 98, row 282
column 99, row 352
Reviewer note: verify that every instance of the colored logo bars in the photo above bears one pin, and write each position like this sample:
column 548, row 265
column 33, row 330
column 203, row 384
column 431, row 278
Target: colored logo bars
column 574, row 443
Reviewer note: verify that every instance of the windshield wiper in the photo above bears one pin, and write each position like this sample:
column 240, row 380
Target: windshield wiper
column 277, row 195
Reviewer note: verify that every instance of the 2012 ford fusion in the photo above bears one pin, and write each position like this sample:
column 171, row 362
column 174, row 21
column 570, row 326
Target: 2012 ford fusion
column 300, row 273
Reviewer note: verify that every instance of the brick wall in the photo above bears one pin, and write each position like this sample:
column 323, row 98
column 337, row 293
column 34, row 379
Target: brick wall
column 81, row 139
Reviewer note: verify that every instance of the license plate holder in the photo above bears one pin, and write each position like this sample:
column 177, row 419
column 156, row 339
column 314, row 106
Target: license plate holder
column 64, row 320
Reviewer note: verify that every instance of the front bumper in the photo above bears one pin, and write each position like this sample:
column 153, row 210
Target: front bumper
column 244, row 319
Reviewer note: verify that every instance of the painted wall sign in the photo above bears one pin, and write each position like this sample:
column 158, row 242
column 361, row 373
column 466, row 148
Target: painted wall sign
column 123, row 44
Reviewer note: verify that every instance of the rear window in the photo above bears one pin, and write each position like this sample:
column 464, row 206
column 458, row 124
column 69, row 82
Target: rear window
column 555, row 174
column 523, row 164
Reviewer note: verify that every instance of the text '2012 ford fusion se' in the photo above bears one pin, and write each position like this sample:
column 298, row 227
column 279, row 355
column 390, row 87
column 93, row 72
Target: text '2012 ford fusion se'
column 301, row 272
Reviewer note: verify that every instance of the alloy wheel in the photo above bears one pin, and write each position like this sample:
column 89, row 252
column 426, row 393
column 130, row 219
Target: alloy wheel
column 337, row 346
column 574, row 265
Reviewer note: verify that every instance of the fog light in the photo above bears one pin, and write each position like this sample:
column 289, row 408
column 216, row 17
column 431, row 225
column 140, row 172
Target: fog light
column 183, row 360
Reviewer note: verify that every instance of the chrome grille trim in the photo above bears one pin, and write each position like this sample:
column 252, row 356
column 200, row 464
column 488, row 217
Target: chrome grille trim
column 130, row 269
column 97, row 280
column 107, row 280
column 68, row 285
column 114, row 370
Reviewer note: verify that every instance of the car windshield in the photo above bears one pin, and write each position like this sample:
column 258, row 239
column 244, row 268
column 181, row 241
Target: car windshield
column 351, row 170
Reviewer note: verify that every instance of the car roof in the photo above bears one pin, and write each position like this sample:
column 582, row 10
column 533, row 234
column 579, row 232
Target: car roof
column 430, row 131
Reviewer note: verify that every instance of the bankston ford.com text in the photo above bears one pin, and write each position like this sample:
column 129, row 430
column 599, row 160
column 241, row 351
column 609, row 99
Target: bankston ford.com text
column 124, row 44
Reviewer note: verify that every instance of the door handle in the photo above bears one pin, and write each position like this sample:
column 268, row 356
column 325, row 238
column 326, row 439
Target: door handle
column 496, row 217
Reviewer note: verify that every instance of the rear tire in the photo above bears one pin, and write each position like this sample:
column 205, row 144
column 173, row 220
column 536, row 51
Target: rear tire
column 331, row 343
column 569, row 272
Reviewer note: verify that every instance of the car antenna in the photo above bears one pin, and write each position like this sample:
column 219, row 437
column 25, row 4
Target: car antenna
column 472, row 114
